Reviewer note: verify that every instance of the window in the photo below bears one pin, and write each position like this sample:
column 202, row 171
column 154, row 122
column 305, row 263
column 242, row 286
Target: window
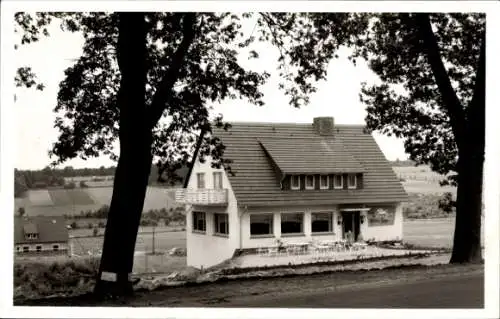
column 292, row 223
column 295, row 182
column 26, row 249
column 55, row 247
column 221, row 224
column 200, row 180
column 338, row 182
column 324, row 182
column 321, row 222
column 199, row 222
column 351, row 181
column 217, row 180
column 18, row 248
column 38, row 248
column 310, row 182
column 261, row 224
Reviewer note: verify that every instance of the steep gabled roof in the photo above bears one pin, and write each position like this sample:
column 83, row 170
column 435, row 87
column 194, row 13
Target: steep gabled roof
column 49, row 229
column 316, row 155
column 255, row 182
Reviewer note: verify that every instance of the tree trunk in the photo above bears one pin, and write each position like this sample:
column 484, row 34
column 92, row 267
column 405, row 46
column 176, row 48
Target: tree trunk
column 134, row 164
column 129, row 192
column 467, row 236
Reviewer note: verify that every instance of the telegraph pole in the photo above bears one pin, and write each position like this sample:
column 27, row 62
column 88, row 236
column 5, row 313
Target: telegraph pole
column 153, row 239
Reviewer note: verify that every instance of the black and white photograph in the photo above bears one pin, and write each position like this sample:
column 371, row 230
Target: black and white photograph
column 250, row 159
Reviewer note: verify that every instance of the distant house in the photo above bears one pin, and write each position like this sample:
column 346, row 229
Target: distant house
column 40, row 235
column 294, row 182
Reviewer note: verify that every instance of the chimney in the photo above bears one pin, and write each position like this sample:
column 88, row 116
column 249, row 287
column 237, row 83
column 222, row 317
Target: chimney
column 323, row 125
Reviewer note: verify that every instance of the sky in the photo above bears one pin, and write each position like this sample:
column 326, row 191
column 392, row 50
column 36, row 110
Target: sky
column 338, row 97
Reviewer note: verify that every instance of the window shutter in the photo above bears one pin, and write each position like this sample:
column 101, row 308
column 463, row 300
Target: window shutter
column 344, row 180
column 359, row 180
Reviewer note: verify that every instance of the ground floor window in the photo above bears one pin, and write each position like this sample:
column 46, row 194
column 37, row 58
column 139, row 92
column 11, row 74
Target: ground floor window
column 221, row 224
column 38, row 248
column 321, row 222
column 261, row 224
column 292, row 223
column 26, row 249
column 55, row 247
column 199, row 221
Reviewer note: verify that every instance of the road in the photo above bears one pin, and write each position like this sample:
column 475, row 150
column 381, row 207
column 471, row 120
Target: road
column 458, row 292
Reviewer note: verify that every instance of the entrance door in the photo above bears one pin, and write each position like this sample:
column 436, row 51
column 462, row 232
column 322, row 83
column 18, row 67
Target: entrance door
column 351, row 222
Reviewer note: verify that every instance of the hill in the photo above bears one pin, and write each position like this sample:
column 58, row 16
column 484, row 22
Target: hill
column 57, row 202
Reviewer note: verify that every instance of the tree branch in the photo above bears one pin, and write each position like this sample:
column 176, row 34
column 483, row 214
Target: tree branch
column 163, row 93
column 451, row 102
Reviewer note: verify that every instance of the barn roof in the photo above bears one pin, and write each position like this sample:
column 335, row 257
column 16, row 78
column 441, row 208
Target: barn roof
column 49, row 229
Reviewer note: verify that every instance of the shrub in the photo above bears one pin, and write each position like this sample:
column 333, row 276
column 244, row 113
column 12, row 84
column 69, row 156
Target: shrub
column 101, row 224
column 70, row 185
column 83, row 184
column 37, row 279
column 21, row 211
column 74, row 225
column 446, row 203
column 90, row 226
column 95, row 231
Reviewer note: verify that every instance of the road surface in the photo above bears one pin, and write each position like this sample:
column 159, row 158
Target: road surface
column 457, row 292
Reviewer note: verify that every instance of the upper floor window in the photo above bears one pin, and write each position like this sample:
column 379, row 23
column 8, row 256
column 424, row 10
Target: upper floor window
column 200, row 177
column 310, row 182
column 217, row 180
column 324, row 182
column 295, row 182
column 338, row 182
column 351, row 181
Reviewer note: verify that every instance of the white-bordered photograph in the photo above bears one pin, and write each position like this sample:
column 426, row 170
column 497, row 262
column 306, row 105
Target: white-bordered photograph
column 218, row 159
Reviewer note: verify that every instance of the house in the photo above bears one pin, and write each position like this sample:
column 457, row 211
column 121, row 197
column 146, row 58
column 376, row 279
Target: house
column 294, row 182
column 40, row 236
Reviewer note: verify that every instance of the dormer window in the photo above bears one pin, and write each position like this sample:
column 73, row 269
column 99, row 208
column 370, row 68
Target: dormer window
column 310, row 182
column 324, row 182
column 31, row 235
column 351, row 181
column 295, row 182
column 338, row 182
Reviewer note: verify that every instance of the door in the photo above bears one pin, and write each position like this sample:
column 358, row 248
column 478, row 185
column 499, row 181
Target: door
column 351, row 223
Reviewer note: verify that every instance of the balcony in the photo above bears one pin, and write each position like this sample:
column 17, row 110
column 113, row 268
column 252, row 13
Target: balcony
column 204, row 197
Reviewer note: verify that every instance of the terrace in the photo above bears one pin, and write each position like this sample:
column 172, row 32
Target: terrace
column 206, row 197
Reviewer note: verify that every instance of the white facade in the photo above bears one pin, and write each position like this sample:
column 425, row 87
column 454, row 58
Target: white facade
column 206, row 249
column 32, row 248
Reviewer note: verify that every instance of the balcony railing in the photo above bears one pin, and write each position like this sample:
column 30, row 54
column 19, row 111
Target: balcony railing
column 208, row 197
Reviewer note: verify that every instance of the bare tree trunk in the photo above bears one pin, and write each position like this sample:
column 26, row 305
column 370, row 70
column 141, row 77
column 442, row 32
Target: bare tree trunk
column 134, row 164
column 467, row 237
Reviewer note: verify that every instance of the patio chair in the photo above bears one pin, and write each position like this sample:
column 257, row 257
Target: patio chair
column 272, row 251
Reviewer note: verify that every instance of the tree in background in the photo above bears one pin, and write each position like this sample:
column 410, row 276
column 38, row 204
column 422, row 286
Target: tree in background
column 21, row 211
column 431, row 93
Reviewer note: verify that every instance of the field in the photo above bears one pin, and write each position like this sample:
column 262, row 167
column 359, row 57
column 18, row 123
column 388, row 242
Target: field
column 421, row 180
column 56, row 202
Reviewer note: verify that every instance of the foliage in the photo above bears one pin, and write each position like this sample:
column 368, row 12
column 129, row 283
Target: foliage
column 446, row 203
column 83, row 184
column 424, row 206
column 95, row 231
column 74, row 225
column 70, row 185
column 21, row 211
column 38, row 279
